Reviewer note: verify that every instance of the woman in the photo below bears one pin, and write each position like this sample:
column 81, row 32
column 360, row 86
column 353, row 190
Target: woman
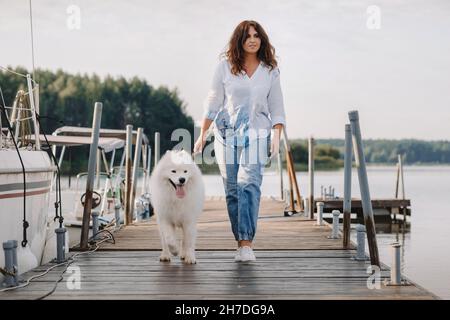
column 246, row 104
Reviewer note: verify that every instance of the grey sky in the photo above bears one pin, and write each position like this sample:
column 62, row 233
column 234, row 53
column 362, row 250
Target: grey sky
column 397, row 76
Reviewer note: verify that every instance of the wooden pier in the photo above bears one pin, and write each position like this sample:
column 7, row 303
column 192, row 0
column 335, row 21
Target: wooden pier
column 295, row 260
column 382, row 206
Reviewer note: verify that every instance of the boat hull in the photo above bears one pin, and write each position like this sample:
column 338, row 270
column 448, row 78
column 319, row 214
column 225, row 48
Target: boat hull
column 39, row 173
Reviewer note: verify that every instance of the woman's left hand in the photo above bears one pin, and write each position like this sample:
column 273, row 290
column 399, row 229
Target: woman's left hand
column 275, row 143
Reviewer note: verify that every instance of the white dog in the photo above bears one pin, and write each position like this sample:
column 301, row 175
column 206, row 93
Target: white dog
column 177, row 195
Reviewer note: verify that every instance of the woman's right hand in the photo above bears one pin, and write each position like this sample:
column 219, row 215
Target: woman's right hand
column 201, row 141
column 200, row 144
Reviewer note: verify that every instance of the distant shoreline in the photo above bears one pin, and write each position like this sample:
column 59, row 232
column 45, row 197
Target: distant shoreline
column 300, row 167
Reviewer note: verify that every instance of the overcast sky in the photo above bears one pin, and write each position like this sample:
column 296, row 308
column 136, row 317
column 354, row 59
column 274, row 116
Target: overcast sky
column 333, row 57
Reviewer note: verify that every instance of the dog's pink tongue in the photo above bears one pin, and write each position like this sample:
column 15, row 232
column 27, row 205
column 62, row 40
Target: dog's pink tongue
column 180, row 192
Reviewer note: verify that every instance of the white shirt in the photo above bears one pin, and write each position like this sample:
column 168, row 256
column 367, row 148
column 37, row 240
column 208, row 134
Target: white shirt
column 238, row 103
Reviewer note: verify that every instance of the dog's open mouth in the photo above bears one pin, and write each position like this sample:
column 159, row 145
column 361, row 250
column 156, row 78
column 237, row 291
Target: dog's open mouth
column 179, row 189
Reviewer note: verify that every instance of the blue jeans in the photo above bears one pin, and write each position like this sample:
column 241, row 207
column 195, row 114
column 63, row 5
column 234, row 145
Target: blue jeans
column 241, row 167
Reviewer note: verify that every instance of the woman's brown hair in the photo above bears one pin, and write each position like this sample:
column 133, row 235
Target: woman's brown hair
column 235, row 51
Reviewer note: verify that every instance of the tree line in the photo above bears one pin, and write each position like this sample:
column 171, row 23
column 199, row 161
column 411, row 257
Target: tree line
column 68, row 100
column 384, row 151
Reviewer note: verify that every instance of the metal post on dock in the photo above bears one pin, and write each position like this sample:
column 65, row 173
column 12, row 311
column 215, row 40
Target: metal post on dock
column 95, row 227
column 60, row 245
column 396, row 274
column 10, row 267
column 347, row 205
column 306, row 206
column 360, row 243
column 128, row 150
column 90, row 177
column 364, row 188
column 311, row 176
column 108, row 184
column 117, row 208
column 137, row 157
column 335, row 230
column 144, row 167
column 98, row 169
column 320, row 213
column 157, row 147
column 400, row 177
column 397, row 180
column 149, row 162
column 15, row 244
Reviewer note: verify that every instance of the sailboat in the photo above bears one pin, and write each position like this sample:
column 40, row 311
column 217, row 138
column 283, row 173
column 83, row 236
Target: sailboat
column 26, row 173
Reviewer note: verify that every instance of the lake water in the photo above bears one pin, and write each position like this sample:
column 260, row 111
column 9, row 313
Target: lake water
column 425, row 252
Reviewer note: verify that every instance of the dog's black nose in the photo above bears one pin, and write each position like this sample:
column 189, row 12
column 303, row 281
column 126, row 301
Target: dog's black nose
column 182, row 180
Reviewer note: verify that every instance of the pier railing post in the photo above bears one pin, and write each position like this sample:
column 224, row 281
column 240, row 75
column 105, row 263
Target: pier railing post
column 364, row 188
column 60, row 245
column 148, row 165
column 157, row 148
column 347, row 205
column 320, row 213
column 128, row 215
column 91, row 172
column 15, row 245
column 10, row 267
column 335, row 230
column 360, row 243
column 400, row 177
column 306, row 206
column 137, row 157
column 397, row 180
column 117, row 215
column 311, row 176
column 396, row 275
column 95, row 226
column 400, row 161
column 98, row 169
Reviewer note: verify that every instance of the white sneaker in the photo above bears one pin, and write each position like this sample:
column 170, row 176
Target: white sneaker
column 246, row 254
column 237, row 257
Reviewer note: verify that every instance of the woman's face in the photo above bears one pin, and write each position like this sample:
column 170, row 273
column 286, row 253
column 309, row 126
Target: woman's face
column 253, row 42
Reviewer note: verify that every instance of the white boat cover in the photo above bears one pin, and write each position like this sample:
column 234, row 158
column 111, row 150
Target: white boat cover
column 107, row 144
column 110, row 133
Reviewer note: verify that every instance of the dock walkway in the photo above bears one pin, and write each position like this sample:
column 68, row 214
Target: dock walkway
column 295, row 260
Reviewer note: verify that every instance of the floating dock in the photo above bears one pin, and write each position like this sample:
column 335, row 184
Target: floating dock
column 380, row 206
column 295, row 260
